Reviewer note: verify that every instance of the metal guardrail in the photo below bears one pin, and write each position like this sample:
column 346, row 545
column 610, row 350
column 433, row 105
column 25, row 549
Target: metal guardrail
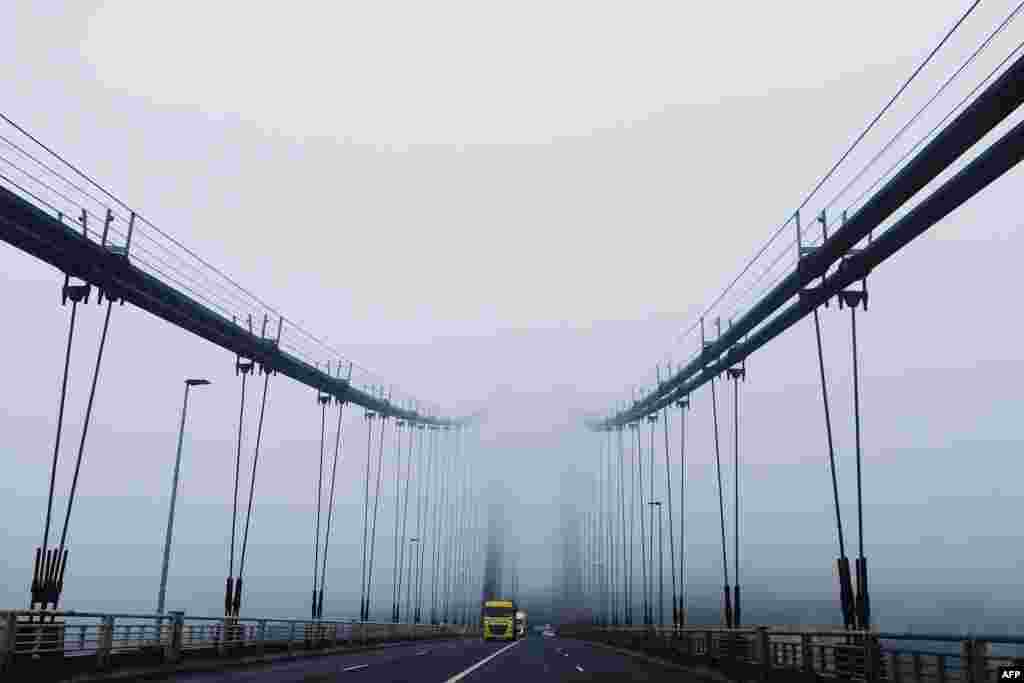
column 93, row 639
column 779, row 653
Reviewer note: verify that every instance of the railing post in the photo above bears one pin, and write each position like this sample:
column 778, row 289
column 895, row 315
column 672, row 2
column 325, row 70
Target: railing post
column 106, row 642
column 291, row 637
column 261, row 634
column 764, row 648
column 7, row 640
column 967, row 660
column 872, row 658
column 172, row 649
column 978, row 653
column 222, row 645
column 806, row 654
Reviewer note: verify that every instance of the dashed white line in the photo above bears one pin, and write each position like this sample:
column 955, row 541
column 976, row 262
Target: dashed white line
column 357, row 667
column 463, row 674
column 579, row 668
column 422, row 652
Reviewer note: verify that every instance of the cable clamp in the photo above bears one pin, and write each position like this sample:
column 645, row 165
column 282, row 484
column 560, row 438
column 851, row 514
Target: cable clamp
column 737, row 372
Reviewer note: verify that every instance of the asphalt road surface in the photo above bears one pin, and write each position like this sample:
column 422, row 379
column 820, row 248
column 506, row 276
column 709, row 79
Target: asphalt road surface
column 534, row 659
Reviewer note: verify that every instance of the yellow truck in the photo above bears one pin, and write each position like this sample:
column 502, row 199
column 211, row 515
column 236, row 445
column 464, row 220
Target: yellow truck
column 499, row 618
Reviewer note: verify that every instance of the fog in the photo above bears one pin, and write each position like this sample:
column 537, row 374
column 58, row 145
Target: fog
column 495, row 235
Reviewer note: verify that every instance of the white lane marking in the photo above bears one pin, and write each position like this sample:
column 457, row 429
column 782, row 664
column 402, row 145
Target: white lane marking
column 422, row 652
column 357, row 667
column 460, row 676
column 579, row 668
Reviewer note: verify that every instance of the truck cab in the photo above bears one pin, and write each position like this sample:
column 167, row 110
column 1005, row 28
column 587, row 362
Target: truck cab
column 499, row 620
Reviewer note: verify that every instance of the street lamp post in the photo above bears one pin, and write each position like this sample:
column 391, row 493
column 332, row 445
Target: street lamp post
column 661, row 567
column 189, row 383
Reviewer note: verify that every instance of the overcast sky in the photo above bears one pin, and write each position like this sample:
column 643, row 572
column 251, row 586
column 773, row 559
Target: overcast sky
column 516, row 207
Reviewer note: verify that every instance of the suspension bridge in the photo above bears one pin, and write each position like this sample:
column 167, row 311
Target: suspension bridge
column 451, row 548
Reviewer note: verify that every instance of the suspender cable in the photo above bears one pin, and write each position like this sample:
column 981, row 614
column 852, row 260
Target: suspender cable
column 396, row 580
column 631, row 544
column 430, row 502
column 435, row 521
column 322, row 399
column 366, row 513
column 414, row 440
column 651, row 419
column 442, row 496
column 721, row 507
column 461, row 456
column 843, row 563
column 861, row 606
column 373, row 528
column 444, row 493
column 627, row 613
column 61, row 554
column 442, row 502
column 237, row 602
column 606, row 553
column 684, row 405
column 610, row 510
column 643, row 530
column 405, row 523
column 453, row 528
column 42, row 579
column 448, row 482
column 330, row 512
column 863, row 602
column 451, row 571
column 461, row 575
column 736, row 492
column 424, row 511
column 607, row 549
column 598, row 511
column 467, row 550
column 671, row 525
column 229, row 587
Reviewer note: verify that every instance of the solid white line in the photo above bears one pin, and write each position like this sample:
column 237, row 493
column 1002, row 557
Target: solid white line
column 460, row 676
column 357, row 667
